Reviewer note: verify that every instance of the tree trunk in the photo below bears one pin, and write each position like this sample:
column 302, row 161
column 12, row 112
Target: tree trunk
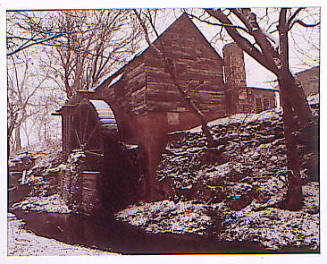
column 18, row 142
column 297, row 114
column 294, row 196
column 294, row 104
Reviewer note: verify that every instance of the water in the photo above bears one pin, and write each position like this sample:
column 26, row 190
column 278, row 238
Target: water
column 102, row 232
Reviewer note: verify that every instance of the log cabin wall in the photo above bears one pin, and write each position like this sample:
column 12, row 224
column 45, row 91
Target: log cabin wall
column 128, row 93
column 124, row 91
column 198, row 68
column 147, row 105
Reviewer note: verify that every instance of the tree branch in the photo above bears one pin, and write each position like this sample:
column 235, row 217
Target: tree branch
column 303, row 24
column 22, row 47
column 217, row 24
column 249, row 20
column 244, row 43
column 293, row 16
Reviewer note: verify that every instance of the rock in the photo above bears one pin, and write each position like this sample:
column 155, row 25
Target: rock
column 24, row 161
column 214, row 155
column 274, row 158
column 212, row 194
column 239, row 196
column 265, row 139
column 240, row 203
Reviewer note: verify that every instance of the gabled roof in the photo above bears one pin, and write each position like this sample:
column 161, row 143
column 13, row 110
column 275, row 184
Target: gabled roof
column 183, row 17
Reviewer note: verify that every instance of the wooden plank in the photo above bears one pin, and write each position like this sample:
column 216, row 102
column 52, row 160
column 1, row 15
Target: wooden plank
column 153, row 62
column 209, row 94
column 163, row 97
column 139, row 92
column 204, row 71
column 135, row 70
column 201, row 66
column 139, row 109
column 137, row 78
column 132, row 87
column 202, row 76
column 158, row 85
column 107, row 93
column 138, row 101
column 159, row 78
column 207, row 99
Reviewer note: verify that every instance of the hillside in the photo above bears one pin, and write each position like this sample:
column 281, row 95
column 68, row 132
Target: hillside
column 231, row 192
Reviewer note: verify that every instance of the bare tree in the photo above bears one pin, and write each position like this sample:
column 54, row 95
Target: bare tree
column 81, row 47
column 242, row 25
column 22, row 88
column 28, row 29
column 87, row 56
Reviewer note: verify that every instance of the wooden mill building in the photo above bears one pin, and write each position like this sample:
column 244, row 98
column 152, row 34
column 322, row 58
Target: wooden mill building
column 139, row 104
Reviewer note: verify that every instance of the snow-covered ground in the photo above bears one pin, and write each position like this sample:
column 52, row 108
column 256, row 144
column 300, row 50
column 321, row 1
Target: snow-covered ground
column 23, row 242
column 273, row 228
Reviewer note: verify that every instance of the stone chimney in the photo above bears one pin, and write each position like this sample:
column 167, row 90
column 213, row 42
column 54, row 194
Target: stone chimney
column 235, row 77
column 234, row 66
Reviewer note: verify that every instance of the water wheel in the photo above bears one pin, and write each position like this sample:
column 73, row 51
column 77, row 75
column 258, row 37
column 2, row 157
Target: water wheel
column 90, row 121
column 92, row 125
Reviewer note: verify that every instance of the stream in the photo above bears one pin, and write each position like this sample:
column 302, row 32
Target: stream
column 101, row 232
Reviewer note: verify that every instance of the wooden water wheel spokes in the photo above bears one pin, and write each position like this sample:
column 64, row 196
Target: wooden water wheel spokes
column 86, row 128
column 96, row 152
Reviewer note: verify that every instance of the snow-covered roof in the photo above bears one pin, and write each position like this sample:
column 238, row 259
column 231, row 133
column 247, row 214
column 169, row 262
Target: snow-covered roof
column 264, row 88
